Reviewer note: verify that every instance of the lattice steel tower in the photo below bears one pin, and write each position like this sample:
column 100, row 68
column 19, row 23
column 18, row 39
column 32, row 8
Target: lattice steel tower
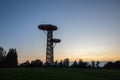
column 48, row 29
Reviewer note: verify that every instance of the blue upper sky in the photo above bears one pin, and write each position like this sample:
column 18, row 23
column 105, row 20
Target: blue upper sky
column 89, row 29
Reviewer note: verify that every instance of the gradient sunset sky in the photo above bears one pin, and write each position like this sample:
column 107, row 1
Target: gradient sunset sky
column 89, row 29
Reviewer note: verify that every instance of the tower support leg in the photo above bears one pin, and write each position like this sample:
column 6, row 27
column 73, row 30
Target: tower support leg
column 49, row 49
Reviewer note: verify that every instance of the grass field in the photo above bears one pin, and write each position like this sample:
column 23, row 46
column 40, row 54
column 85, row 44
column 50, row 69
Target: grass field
column 58, row 74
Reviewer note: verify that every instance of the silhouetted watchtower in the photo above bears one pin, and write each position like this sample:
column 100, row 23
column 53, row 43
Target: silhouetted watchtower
column 48, row 29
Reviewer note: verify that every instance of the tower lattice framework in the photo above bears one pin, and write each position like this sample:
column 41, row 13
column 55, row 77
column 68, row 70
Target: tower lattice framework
column 51, row 42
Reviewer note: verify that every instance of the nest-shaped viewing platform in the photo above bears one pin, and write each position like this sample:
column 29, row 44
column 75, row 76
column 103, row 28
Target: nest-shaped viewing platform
column 47, row 27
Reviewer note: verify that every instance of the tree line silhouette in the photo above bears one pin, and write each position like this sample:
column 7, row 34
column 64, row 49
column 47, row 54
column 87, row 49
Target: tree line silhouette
column 10, row 60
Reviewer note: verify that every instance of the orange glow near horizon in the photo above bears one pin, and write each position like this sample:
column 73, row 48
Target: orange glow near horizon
column 72, row 57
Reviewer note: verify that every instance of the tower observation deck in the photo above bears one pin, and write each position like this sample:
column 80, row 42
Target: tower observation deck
column 51, row 42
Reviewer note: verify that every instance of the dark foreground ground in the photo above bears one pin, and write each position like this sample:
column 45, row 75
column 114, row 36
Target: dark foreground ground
column 58, row 74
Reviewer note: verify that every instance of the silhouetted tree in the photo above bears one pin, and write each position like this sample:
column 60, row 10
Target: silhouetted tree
column 61, row 64
column 89, row 66
column 117, row 64
column 112, row 65
column 82, row 64
column 11, row 59
column 66, row 62
column 93, row 64
column 25, row 64
column 108, row 65
column 2, row 57
column 36, row 63
column 75, row 64
column 97, row 64
column 56, row 64
column 2, row 53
